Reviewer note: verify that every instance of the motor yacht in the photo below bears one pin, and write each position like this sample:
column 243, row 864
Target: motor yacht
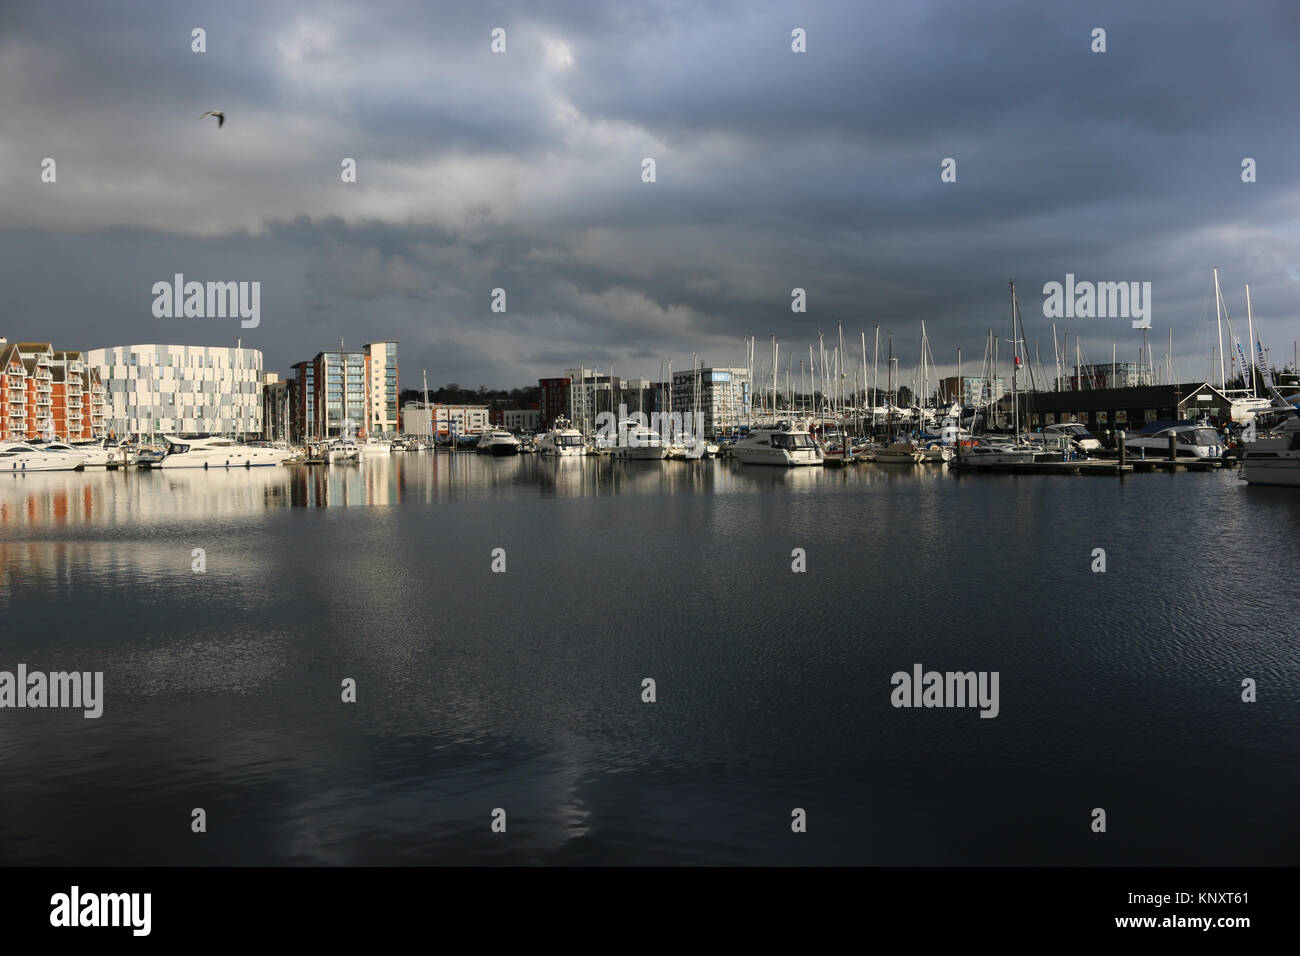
column 1191, row 440
column 343, row 450
column 1074, row 431
column 1001, row 452
column 1273, row 457
column 218, row 453
column 784, row 444
column 19, row 456
column 497, row 442
column 640, row 443
column 563, row 440
column 104, row 453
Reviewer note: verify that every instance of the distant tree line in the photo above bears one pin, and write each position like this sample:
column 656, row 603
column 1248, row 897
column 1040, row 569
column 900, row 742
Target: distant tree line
column 453, row 394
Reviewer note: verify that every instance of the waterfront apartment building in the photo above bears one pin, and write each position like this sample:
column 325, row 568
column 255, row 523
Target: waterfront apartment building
column 381, row 374
column 346, row 392
column 181, row 389
column 1110, row 375
column 277, row 408
column 724, row 397
column 48, row 394
column 972, row 391
column 441, row 421
column 553, row 400
column 521, row 419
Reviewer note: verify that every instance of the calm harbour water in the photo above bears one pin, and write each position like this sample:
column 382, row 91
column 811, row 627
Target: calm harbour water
column 522, row 690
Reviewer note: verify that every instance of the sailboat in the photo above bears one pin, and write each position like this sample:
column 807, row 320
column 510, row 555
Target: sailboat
column 1009, row 451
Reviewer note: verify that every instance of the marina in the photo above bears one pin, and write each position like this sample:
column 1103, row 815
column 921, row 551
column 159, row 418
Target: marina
column 489, row 702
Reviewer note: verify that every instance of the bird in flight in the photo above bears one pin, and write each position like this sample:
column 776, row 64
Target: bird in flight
column 221, row 117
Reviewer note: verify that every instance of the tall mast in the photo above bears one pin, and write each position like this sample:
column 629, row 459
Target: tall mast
column 1250, row 320
column 775, row 353
column 1056, row 354
column 875, row 376
column 1015, row 366
column 1218, row 312
column 864, row 379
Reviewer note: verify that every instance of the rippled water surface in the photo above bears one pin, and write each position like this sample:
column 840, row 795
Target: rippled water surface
column 522, row 690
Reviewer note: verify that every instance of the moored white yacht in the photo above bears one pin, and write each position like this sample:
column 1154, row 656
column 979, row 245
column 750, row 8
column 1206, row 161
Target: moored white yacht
column 104, row 453
column 641, row 443
column 784, row 444
column 345, row 449
column 1001, row 452
column 1190, row 440
column 1074, row 431
column 497, row 442
column 218, row 453
column 18, row 457
column 563, row 440
column 1273, row 458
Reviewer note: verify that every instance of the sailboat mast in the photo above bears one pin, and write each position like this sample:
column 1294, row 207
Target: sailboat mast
column 1015, row 366
column 1218, row 312
column 1250, row 321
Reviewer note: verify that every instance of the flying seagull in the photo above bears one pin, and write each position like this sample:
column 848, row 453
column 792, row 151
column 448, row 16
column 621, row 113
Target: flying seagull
column 221, row 117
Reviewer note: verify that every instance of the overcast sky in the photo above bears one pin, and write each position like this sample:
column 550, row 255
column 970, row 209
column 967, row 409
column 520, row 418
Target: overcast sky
column 522, row 170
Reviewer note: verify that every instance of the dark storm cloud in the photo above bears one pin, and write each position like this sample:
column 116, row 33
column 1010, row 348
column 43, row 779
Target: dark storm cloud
column 522, row 171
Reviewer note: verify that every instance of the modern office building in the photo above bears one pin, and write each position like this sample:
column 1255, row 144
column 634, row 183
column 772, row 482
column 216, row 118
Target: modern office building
column 723, row 396
column 181, row 389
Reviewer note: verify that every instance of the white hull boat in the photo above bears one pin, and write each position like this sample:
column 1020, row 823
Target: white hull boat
column 785, row 446
column 218, row 453
column 20, row 457
column 497, row 443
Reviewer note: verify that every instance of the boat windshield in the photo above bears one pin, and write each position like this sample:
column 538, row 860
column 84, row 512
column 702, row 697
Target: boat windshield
column 568, row 441
column 1202, row 436
column 796, row 440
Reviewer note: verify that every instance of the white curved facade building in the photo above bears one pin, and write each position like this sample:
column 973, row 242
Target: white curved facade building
column 180, row 389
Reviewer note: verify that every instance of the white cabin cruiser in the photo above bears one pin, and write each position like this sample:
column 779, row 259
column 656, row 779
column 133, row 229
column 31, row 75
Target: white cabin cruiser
column 784, row 444
column 1190, row 440
column 218, row 453
column 641, row 443
column 104, row 453
column 1004, row 452
column 497, row 442
column 343, row 450
column 1273, row 458
column 563, row 440
column 17, row 457
column 1072, row 430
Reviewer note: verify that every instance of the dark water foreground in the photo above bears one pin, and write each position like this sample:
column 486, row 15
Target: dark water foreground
column 522, row 690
